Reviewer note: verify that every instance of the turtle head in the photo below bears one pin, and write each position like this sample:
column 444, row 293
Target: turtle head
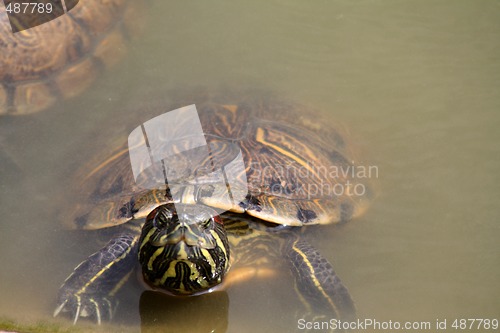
column 183, row 249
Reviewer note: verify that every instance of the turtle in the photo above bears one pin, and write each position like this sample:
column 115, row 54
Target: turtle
column 59, row 59
column 184, row 232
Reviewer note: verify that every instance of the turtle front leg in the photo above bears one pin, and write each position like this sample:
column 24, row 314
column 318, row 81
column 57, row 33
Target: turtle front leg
column 320, row 288
column 89, row 291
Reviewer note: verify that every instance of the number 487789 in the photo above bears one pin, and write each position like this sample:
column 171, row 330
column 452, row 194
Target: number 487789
column 475, row 324
column 29, row 8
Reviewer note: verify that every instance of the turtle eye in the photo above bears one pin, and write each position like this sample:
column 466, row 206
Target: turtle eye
column 161, row 218
column 159, row 222
column 206, row 223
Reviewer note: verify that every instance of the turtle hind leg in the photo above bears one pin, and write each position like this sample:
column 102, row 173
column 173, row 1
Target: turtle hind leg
column 319, row 287
column 89, row 291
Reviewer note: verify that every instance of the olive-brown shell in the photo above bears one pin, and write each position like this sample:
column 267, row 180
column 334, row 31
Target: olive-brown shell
column 296, row 161
column 60, row 58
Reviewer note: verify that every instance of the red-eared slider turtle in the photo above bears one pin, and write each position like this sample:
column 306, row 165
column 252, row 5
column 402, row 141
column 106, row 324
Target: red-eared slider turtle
column 297, row 168
column 61, row 58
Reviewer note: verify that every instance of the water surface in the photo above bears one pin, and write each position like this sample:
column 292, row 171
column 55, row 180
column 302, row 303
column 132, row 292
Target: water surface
column 415, row 82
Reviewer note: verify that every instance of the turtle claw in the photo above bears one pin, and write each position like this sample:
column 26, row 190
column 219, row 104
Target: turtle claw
column 59, row 308
column 86, row 306
column 89, row 291
column 77, row 314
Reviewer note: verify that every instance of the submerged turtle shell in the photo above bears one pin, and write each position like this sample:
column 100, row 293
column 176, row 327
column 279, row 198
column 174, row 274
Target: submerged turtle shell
column 297, row 162
column 61, row 58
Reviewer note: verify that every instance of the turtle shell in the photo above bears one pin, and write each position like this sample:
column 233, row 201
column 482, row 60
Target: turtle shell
column 61, row 58
column 298, row 168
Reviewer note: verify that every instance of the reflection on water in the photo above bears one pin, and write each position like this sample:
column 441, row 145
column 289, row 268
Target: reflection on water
column 185, row 314
column 417, row 85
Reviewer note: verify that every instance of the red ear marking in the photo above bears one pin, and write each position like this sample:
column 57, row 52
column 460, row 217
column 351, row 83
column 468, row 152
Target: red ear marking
column 152, row 214
column 218, row 219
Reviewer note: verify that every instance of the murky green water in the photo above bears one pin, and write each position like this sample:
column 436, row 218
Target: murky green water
column 417, row 84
